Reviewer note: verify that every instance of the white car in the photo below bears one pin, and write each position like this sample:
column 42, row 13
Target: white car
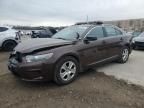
column 138, row 42
column 8, row 38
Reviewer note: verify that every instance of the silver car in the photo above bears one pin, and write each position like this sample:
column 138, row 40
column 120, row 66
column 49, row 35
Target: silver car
column 138, row 42
column 8, row 38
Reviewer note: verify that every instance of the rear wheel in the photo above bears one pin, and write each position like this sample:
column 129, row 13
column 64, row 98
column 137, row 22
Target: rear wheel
column 134, row 47
column 124, row 55
column 66, row 70
column 9, row 45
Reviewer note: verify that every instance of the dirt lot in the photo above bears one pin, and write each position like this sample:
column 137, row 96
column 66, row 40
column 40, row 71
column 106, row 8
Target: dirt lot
column 3, row 62
column 91, row 89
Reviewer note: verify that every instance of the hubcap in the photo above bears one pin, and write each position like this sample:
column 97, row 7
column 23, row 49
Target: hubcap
column 67, row 70
column 125, row 54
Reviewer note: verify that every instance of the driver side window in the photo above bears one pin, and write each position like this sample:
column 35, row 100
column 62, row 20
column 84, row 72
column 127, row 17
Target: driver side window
column 95, row 33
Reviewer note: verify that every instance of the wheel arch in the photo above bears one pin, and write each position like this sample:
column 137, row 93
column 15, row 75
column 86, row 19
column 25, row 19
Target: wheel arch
column 129, row 46
column 8, row 40
column 69, row 54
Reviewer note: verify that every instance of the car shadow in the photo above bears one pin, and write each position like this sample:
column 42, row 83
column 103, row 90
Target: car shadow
column 2, row 51
column 52, row 84
column 36, row 85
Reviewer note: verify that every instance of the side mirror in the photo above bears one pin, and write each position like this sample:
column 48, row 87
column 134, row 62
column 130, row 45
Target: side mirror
column 91, row 38
column 86, row 41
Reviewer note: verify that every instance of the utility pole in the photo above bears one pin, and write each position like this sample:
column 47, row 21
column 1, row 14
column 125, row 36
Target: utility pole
column 87, row 19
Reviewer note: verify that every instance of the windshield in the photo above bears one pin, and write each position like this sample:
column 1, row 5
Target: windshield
column 70, row 33
column 142, row 34
column 136, row 34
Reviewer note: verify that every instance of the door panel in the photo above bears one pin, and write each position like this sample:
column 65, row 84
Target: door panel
column 113, row 46
column 93, row 50
column 114, row 40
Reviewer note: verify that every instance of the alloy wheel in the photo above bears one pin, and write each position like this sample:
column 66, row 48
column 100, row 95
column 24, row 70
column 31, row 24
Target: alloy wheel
column 68, row 70
column 125, row 54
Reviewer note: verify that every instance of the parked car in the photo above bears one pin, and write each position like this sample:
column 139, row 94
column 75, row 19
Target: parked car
column 68, row 52
column 47, row 33
column 8, row 38
column 136, row 33
column 138, row 42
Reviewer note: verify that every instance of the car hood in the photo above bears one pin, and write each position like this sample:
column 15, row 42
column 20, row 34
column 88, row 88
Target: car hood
column 139, row 39
column 40, row 43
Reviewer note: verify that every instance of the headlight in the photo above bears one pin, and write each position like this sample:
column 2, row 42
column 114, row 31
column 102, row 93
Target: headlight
column 36, row 58
column 133, row 41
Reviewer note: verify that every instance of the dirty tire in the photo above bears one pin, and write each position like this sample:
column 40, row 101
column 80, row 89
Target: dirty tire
column 9, row 45
column 66, row 70
column 124, row 55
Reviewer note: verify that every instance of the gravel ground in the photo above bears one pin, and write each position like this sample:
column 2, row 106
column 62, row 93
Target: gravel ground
column 92, row 89
column 3, row 62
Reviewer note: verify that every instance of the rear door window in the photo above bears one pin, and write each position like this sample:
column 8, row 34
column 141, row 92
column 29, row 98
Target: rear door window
column 2, row 29
column 118, row 32
column 96, row 33
column 111, row 31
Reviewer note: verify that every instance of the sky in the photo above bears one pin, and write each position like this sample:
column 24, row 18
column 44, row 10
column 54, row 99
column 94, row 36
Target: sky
column 67, row 12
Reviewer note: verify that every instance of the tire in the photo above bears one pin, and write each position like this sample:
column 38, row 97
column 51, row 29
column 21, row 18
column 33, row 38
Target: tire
column 124, row 55
column 135, row 47
column 9, row 45
column 63, row 73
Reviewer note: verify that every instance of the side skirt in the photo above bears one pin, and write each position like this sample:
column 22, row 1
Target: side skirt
column 105, row 60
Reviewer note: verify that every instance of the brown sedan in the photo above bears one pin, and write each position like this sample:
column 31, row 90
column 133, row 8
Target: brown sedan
column 69, row 52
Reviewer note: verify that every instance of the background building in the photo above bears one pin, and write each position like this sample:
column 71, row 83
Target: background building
column 129, row 25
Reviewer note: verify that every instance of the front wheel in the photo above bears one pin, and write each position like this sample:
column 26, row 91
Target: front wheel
column 66, row 70
column 124, row 55
column 9, row 45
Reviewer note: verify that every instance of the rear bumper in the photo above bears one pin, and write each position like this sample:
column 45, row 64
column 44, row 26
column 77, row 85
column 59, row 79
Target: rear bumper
column 32, row 72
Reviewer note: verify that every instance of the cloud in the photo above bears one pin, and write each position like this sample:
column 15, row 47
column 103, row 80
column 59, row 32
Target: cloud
column 65, row 12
